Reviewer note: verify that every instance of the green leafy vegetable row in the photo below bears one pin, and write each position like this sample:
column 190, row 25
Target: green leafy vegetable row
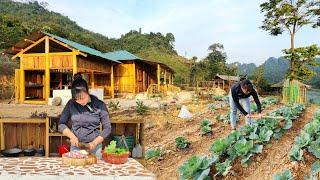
column 266, row 102
column 242, row 143
column 287, row 175
column 205, row 127
column 308, row 139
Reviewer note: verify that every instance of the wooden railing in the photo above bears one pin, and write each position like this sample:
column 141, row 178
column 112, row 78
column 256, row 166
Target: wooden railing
column 164, row 89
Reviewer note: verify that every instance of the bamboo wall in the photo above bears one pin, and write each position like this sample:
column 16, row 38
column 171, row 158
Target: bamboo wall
column 294, row 92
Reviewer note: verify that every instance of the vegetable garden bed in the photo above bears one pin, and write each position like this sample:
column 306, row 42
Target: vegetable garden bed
column 243, row 144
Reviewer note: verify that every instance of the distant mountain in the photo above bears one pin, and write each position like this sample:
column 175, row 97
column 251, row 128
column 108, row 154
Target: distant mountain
column 18, row 19
column 244, row 68
column 275, row 69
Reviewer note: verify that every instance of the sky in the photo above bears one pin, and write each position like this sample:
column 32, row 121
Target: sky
column 195, row 24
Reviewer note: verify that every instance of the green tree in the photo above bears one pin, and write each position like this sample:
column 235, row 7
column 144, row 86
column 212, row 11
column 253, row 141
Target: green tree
column 259, row 80
column 216, row 60
column 170, row 38
column 214, row 63
column 290, row 16
column 306, row 58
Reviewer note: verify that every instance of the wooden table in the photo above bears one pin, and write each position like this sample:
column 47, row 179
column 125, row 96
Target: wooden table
column 52, row 168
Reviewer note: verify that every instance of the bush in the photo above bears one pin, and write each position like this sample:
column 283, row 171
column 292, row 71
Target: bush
column 114, row 105
column 7, row 68
column 141, row 108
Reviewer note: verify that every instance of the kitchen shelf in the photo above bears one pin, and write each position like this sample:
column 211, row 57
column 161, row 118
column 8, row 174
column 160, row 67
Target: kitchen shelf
column 56, row 134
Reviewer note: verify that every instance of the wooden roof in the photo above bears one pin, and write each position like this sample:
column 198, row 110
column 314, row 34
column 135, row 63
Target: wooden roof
column 125, row 56
column 32, row 38
column 227, row 78
column 280, row 85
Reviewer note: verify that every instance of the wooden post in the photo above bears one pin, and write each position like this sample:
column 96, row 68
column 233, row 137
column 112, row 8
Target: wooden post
column 22, row 83
column 223, row 84
column 158, row 76
column 92, row 79
column 134, row 76
column 2, row 136
column 143, row 80
column 17, row 85
column 141, row 137
column 47, row 138
column 47, row 70
column 74, row 62
column 165, row 76
column 112, row 82
column 170, row 80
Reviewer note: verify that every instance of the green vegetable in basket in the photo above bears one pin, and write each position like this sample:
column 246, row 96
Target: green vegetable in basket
column 112, row 149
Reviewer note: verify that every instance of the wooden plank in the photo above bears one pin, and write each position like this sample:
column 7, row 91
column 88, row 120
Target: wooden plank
column 134, row 77
column 119, row 129
column 130, row 129
column 47, row 138
column 32, row 134
column 74, row 62
column 39, row 102
column 17, row 85
column 29, row 40
column 29, row 47
column 22, row 80
column 67, row 46
column 165, row 76
column 10, row 137
column 21, row 120
column 92, row 79
column 47, row 70
column 158, row 76
column 112, row 82
column 141, row 139
column 2, row 136
column 20, row 130
column 144, row 82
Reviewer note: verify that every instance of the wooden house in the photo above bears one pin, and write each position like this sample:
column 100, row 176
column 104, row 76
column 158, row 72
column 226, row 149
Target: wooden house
column 48, row 62
column 135, row 75
column 224, row 81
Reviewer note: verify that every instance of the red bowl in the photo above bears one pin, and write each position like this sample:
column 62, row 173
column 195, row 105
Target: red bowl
column 115, row 158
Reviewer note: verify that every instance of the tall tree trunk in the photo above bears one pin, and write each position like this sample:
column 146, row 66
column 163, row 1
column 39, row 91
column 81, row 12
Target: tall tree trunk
column 292, row 57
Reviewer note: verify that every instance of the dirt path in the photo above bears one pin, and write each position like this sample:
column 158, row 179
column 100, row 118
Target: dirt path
column 274, row 157
column 167, row 168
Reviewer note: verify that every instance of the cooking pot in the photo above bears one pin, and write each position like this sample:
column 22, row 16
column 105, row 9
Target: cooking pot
column 14, row 152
